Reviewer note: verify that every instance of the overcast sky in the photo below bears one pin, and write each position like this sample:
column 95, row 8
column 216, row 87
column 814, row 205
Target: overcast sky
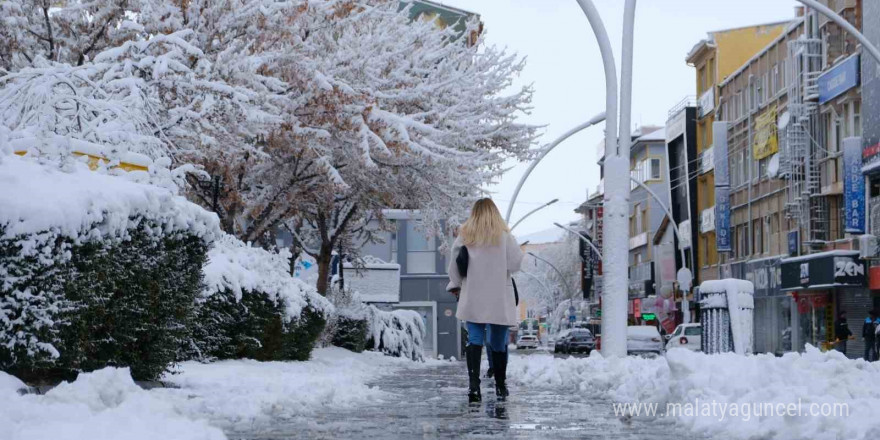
column 564, row 65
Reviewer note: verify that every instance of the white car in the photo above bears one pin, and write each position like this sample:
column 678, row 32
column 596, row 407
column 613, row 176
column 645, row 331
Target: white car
column 643, row 339
column 527, row 341
column 687, row 336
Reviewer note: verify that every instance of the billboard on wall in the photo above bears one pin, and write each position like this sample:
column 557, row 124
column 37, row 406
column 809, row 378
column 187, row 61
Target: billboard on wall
column 853, row 186
column 766, row 142
column 870, row 79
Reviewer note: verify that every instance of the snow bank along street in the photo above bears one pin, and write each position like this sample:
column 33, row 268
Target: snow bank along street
column 232, row 396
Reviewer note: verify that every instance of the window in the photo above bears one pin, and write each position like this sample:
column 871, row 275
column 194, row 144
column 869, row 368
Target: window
column 394, row 246
column 701, row 86
column 420, row 250
column 774, row 80
column 710, row 72
column 766, row 234
column 655, row 169
column 692, row 331
column 758, row 233
column 638, row 221
column 856, row 109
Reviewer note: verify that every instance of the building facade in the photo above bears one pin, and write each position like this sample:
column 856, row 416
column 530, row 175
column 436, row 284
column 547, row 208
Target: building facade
column 714, row 59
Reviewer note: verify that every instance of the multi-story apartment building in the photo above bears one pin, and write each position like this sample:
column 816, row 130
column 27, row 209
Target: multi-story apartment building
column 751, row 100
column 714, row 59
column 681, row 152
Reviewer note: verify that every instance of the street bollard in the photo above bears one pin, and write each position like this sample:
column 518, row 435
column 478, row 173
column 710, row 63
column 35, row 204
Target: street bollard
column 726, row 316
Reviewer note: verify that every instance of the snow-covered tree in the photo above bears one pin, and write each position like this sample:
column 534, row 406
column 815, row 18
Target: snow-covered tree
column 397, row 114
column 564, row 256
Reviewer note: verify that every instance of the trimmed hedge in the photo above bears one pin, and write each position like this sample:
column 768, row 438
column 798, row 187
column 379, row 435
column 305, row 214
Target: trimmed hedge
column 125, row 303
column 350, row 333
column 254, row 327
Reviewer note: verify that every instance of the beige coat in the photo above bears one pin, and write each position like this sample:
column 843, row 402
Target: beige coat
column 487, row 293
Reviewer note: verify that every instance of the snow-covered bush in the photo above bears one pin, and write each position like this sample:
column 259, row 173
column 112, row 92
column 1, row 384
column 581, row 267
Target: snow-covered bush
column 95, row 270
column 396, row 333
column 253, row 308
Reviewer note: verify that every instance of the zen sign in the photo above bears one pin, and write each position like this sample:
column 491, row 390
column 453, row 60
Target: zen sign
column 824, row 271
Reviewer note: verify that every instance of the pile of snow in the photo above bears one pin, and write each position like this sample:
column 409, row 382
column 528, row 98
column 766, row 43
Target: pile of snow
column 241, row 395
column 238, row 267
column 812, row 381
column 105, row 404
column 83, row 205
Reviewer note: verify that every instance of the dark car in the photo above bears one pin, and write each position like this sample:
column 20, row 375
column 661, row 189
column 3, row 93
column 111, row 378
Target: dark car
column 580, row 340
column 560, row 340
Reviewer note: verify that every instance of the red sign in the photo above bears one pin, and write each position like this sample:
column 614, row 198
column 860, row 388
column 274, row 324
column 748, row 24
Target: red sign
column 599, row 236
column 871, row 150
column 637, row 308
column 874, row 277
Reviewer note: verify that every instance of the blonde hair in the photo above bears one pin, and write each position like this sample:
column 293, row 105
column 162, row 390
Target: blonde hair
column 485, row 226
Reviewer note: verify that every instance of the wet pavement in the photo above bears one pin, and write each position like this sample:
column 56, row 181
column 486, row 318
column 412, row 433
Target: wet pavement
column 430, row 402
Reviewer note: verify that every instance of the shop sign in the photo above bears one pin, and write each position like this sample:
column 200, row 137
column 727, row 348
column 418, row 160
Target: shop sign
column 722, row 219
column 827, row 270
column 707, row 160
column 587, row 259
column 853, row 185
column 599, row 237
column 684, row 228
column 707, row 220
column 793, row 242
column 765, row 275
column 719, row 145
column 707, row 101
column 838, row 79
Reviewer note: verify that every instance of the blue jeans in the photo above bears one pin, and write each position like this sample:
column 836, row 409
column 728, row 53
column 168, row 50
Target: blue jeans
column 497, row 339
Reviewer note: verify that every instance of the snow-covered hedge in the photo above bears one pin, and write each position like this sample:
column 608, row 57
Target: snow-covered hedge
column 95, row 270
column 357, row 326
column 253, row 308
column 396, row 333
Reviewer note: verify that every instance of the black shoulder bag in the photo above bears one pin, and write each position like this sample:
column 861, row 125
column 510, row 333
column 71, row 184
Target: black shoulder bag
column 462, row 259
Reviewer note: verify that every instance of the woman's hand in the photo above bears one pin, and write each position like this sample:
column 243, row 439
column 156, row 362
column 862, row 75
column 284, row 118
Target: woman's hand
column 455, row 292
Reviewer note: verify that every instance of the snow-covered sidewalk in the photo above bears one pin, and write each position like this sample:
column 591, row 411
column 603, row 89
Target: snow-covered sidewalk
column 728, row 395
column 223, row 396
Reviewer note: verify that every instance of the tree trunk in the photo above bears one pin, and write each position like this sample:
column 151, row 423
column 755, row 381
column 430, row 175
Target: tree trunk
column 324, row 259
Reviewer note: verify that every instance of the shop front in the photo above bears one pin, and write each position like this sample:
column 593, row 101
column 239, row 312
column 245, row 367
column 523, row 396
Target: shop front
column 773, row 307
column 821, row 286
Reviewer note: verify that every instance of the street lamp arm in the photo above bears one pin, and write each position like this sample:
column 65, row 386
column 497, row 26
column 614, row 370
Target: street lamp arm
column 532, row 212
column 544, row 151
column 558, row 272
column 831, row 15
column 579, row 235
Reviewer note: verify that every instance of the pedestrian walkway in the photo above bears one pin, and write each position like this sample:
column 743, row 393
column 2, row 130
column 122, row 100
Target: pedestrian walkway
column 430, row 402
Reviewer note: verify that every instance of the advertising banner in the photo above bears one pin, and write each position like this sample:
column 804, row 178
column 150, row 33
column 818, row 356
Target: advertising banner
column 853, row 185
column 722, row 219
column 766, row 142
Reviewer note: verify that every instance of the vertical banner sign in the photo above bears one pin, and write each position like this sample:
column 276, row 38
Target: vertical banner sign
column 586, row 253
column 722, row 187
column 600, row 234
column 853, row 185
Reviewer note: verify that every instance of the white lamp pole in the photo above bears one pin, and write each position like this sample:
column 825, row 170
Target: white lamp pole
column 616, row 199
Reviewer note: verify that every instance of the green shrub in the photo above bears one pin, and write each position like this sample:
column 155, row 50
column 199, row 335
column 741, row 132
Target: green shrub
column 253, row 327
column 124, row 303
column 350, row 333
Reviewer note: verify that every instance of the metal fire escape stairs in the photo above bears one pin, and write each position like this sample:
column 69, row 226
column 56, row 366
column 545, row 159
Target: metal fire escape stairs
column 799, row 159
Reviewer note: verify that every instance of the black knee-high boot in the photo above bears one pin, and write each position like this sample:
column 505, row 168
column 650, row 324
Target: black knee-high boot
column 472, row 356
column 499, row 359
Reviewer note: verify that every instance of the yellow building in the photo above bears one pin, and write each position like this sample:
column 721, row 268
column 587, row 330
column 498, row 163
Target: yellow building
column 714, row 59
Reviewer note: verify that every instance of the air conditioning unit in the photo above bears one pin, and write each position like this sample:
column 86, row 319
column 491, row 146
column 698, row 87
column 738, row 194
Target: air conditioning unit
column 869, row 247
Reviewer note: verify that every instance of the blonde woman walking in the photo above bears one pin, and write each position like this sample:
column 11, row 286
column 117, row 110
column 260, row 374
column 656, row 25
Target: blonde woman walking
column 488, row 255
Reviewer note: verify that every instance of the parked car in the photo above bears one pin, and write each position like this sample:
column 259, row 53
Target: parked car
column 686, row 336
column 560, row 340
column 527, row 341
column 580, row 340
column 643, row 339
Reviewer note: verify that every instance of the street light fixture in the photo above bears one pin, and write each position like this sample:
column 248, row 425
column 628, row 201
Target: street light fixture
column 593, row 121
column 532, row 212
column 579, row 235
